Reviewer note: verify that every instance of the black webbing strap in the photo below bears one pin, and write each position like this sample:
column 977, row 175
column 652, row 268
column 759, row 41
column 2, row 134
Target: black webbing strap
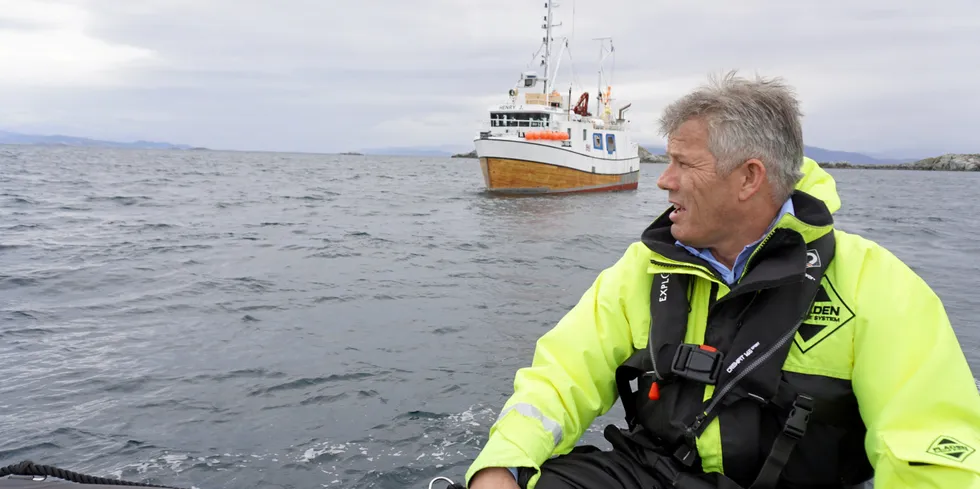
column 793, row 431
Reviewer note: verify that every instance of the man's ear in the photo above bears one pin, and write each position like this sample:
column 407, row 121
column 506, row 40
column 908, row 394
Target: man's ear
column 752, row 176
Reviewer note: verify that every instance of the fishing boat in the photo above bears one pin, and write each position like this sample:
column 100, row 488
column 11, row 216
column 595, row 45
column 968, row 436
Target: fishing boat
column 536, row 142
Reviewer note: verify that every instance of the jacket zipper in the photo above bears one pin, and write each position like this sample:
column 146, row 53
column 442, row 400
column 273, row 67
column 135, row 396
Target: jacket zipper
column 720, row 395
column 706, row 271
column 754, row 253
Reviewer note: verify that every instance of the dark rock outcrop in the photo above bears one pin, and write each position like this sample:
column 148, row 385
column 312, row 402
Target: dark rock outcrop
column 946, row 162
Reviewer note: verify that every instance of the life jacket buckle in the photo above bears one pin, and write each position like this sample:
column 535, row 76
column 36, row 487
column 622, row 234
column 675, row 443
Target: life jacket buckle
column 700, row 363
column 799, row 416
column 685, row 454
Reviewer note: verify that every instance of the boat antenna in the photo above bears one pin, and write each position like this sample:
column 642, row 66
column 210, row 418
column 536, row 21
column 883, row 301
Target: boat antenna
column 573, row 19
column 598, row 99
column 548, row 18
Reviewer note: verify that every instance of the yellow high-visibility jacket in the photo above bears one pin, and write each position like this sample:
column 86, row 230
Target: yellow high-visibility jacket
column 916, row 394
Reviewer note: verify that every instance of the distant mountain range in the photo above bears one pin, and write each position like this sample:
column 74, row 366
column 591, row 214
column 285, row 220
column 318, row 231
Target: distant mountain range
column 818, row 154
column 443, row 150
column 60, row 140
column 823, row 156
column 828, row 155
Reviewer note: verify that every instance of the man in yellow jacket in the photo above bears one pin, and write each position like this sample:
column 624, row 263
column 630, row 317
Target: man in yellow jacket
column 752, row 344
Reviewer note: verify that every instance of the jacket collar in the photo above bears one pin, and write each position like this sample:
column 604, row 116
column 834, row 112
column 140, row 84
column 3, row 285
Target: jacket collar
column 784, row 246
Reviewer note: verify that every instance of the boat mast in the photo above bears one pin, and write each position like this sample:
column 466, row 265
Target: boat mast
column 598, row 98
column 547, row 40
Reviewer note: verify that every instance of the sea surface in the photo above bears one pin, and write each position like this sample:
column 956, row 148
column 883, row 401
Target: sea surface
column 255, row 320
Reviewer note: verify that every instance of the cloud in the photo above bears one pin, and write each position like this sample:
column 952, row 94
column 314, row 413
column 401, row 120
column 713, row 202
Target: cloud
column 314, row 75
column 45, row 44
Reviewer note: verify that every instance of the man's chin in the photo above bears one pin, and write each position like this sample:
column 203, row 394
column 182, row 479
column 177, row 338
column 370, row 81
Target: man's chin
column 678, row 233
column 679, row 237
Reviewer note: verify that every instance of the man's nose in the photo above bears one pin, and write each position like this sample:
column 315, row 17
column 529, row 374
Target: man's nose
column 666, row 179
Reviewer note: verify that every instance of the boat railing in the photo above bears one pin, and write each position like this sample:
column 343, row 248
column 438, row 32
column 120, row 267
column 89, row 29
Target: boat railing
column 615, row 126
column 519, row 123
column 553, row 125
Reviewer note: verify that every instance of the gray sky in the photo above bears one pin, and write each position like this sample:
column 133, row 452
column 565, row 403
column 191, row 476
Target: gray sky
column 326, row 75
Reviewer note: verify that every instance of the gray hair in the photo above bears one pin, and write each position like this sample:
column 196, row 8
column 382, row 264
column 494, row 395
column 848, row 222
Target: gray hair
column 747, row 119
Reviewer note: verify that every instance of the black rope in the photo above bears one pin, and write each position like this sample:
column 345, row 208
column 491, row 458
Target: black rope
column 29, row 468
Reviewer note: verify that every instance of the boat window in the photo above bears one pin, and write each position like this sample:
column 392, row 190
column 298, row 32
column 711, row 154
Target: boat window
column 585, row 134
column 597, row 140
column 611, row 143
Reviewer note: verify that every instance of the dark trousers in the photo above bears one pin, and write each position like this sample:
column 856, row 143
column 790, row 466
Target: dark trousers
column 589, row 468
column 631, row 464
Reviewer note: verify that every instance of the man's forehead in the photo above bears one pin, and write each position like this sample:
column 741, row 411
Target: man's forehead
column 691, row 131
column 680, row 143
column 687, row 144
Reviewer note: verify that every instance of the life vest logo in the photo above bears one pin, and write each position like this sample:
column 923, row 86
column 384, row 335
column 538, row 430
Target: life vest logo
column 827, row 315
column 812, row 259
column 951, row 448
column 663, row 286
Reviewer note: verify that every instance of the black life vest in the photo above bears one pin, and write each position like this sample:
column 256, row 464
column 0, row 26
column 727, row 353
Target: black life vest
column 777, row 428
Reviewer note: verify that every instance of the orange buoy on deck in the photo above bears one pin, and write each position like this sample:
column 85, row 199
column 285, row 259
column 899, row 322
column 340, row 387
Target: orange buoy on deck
column 546, row 135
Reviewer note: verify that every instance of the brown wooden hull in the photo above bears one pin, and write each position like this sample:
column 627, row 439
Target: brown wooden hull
column 510, row 176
